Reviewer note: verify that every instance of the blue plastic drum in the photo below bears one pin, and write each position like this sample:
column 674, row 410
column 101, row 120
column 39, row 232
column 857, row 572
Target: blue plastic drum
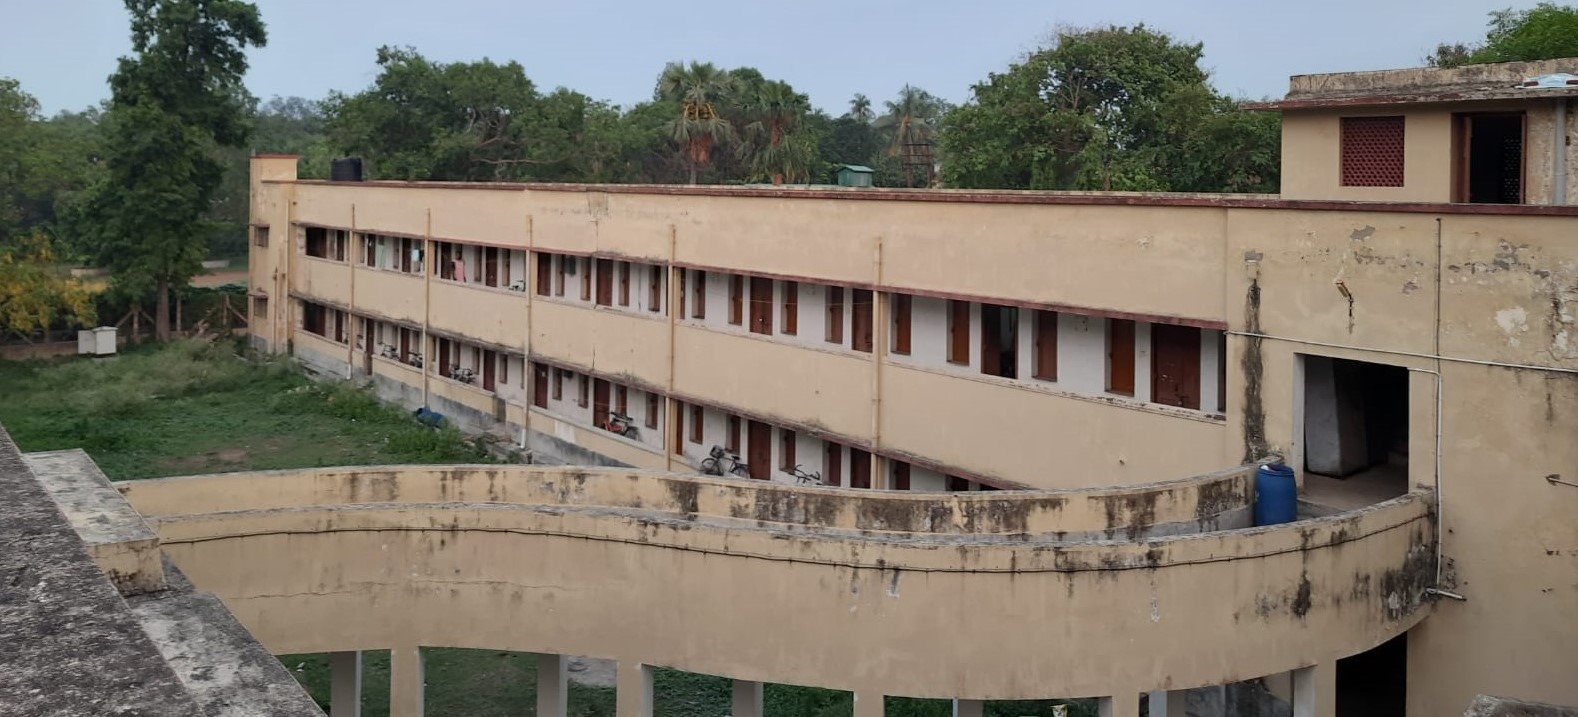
column 1276, row 495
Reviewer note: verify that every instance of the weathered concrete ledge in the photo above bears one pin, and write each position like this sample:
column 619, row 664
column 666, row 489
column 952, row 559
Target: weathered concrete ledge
column 117, row 537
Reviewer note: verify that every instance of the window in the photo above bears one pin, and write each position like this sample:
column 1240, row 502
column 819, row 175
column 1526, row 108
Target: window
column 490, row 266
column 791, row 307
column 761, row 305
column 957, row 484
column 622, row 400
column 560, row 263
column 654, row 288
column 654, row 405
column 786, row 441
column 833, row 464
column 584, row 268
column 901, row 323
column 859, row 468
column 583, row 385
column 1372, row 151
column 1045, row 360
column 731, row 440
column 679, row 428
column 959, row 332
column 695, row 423
column 447, row 260
column 1120, row 356
column 736, row 298
column 835, row 314
column 1175, row 365
column 624, row 283
column 699, row 308
column 558, row 384
column 317, row 242
column 260, row 236
column 860, row 326
column 370, row 250
column 1000, row 340
column 544, row 274
column 313, row 319
column 1221, row 371
column 539, row 385
column 260, row 307
column 605, row 282
column 1488, row 163
column 901, row 475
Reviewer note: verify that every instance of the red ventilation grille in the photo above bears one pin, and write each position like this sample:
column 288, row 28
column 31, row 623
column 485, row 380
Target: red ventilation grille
column 1372, row 151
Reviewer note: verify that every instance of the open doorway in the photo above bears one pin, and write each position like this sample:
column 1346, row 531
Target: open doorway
column 1374, row 683
column 1355, row 441
column 1489, row 159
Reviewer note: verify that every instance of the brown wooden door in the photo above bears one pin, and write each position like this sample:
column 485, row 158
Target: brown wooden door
column 490, row 266
column 1120, row 356
column 605, row 282
column 759, row 445
column 539, row 385
column 859, row 468
column 1175, row 375
column 600, row 403
column 861, row 323
column 833, row 464
column 490, row 365
column 761, row 305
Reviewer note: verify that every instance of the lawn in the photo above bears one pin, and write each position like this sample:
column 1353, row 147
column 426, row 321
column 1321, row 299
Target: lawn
column 195, row 407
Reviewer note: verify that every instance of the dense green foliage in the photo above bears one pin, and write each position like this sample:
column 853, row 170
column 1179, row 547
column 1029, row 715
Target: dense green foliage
column 1543, row 32
column 1114, row 108
column 197, row 407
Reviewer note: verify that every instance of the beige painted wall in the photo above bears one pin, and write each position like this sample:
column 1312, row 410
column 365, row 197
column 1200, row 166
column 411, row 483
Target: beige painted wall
column 1312, row 159
column 970, row 616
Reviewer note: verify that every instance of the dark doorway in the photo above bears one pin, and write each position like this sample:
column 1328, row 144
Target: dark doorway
column 600, row 403
column 859, row 468
column 1374, row 683
column 1356, row 428
column 1490, row 158
column 999, row 340
column 490, row 366
column 759, row 448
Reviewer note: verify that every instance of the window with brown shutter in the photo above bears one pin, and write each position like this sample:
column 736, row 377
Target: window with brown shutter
column 678, row 428
column 1045, row 367
column 559, row 263
column 860, row 326
column 490, row 266
column 558, row 384
column 791, row 307
column 699, row 309
column 654, row 405
column 835, row 314
column 859, row 468
column 1120, row 356
column 833, row 464
column 761, row 305
column 959, row 332
column 655, row 288
column 901, row 475
column 736, row 299
column 605, row 282
column 544, row 274
column 583, row 384
column 584, row 269
column 624, row 283
column 731, row 440
column 1175, row 365
column 695, row 423
column 1221, row 371
column 1372, row 151
column 1000, row 340
column 786, row 441
column 901, row 323
column 622, row 400
column 683, row 278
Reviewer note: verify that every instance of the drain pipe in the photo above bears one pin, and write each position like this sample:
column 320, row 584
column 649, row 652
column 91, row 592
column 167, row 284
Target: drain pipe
column 1440, row 512
column 1559, row 158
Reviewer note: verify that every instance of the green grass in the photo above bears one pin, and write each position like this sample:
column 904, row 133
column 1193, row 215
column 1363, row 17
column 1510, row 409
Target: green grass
column 193, row 407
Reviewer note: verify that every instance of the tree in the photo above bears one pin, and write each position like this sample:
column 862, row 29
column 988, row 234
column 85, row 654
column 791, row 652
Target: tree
column 1109, row 108
column 34, row 294
column 174, row 103
column 1543, row 32
column 698, row 89
column 860, row 108
column 910, row 122
column 774, row 148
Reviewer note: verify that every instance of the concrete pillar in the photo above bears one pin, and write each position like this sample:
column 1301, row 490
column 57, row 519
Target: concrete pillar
column 1123, row 704
column 747, row 699
column 1315, row 691
column 633, row 690
column 553, row 689
column 868, row 704
column 345, row 684
column 969, row 708
column 406, row 682
column 1168, row 703
column 1334, row 431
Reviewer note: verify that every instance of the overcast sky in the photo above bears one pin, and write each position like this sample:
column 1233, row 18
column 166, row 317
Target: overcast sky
column 62, row 50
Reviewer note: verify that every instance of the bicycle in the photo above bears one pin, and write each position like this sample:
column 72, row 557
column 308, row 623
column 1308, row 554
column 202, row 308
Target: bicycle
column 623, row 425
column 463, row 375
column 713, row 464
column 804, row 478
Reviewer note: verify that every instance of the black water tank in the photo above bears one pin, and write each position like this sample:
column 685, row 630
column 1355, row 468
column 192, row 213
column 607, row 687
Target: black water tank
column 346, row 169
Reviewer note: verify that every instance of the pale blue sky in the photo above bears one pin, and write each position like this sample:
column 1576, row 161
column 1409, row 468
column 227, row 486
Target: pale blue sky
column 62, row 50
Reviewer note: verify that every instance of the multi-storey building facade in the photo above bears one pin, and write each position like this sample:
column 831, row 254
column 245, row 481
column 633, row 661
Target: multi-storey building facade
column 1397, row 323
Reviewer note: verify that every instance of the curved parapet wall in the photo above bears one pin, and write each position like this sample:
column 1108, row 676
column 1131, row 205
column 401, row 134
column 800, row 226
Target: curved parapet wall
column 1215, row 501
column 315, row 561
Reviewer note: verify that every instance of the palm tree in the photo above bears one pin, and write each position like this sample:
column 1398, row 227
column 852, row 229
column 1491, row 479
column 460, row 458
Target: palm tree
column 910, row 123
column 778, row 110
column 698, row 88
column 860, row 107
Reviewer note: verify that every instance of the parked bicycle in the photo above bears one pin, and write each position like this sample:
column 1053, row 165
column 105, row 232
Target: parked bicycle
column 463, row 375
column 388, row 351
column 623, row 425
column 714, row 464
column 518, row 285
column 806, row 478
column 414, row 359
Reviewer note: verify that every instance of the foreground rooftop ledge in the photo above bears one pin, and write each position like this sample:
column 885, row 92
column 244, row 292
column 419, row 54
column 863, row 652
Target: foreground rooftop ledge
column 1210, row 502
column 978, row 196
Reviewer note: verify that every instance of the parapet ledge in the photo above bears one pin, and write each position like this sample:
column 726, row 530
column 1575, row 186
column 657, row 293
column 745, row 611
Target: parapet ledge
column 115, row 534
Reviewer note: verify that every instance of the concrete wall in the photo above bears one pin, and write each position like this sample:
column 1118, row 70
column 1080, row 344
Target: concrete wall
column 680, row 584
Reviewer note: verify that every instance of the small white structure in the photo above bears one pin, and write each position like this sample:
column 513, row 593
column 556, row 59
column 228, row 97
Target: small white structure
column 96, row 342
